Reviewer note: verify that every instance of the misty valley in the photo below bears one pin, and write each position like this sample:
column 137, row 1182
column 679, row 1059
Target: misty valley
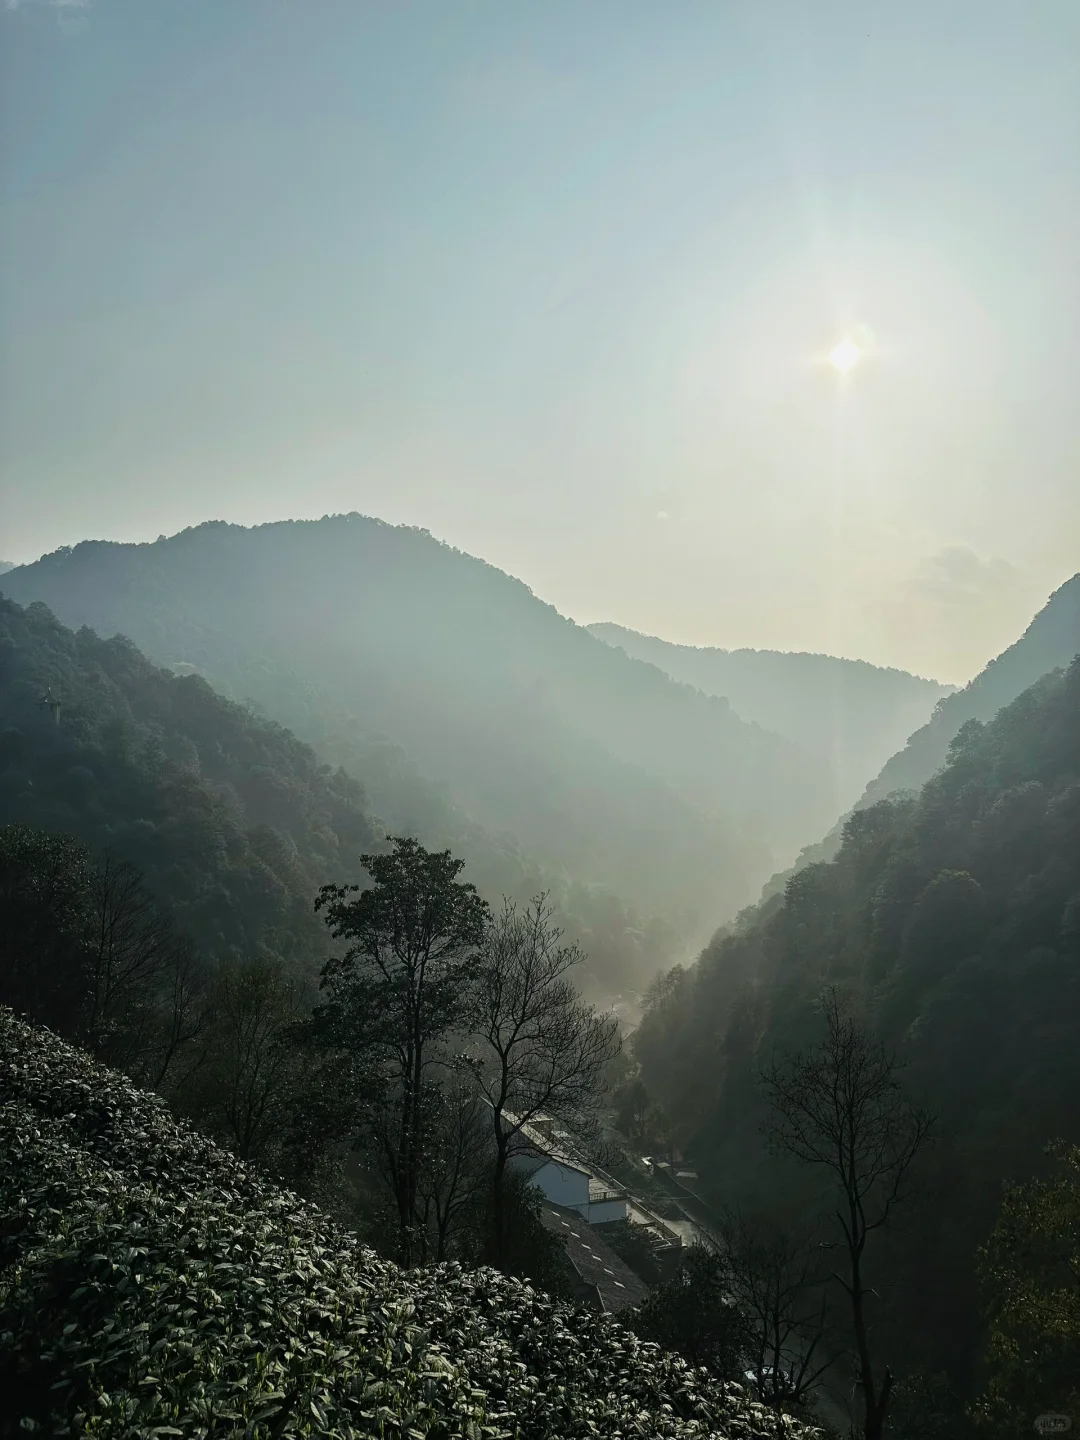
column 539, row 720
column 372, row 931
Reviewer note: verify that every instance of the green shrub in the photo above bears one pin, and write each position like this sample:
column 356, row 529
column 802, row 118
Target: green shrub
column 153, row 1285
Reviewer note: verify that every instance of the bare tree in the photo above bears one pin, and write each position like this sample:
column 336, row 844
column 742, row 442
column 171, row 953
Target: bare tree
column 130, row 945
column 146, row 980
column 543, row 1049
column 841, row 1106
column 457, row 1155
column 184, row 1014
column 776, row 1275
column 247, row 1071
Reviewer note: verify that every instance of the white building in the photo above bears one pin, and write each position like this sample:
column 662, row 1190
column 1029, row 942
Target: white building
column 564, row 1181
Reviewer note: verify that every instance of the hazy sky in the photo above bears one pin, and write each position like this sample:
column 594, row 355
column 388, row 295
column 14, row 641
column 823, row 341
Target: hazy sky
column 557, row 281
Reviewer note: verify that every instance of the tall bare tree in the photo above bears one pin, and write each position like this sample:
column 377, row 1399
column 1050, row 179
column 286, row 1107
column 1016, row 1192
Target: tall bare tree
column 243, row 1087
column 457, row 1156
column 840, row 1106
column 543, row 1050
column 131, row 953
column 776, row 1274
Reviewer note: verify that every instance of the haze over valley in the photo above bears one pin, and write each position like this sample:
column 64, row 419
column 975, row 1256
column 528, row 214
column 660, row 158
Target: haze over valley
column 539, row 720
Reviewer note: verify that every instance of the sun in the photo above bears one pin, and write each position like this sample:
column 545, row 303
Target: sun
column 845, row 356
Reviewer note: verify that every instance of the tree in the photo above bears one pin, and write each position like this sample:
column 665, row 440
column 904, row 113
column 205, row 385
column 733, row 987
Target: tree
column 775, row 1273
column 457, row 1152
column 695, row 1314
column 243, row 1089
column 131, row 944
column 543, row 1049
column 44, row 915
column 840, row 1106
column 1030, row 1275
column 405, row 986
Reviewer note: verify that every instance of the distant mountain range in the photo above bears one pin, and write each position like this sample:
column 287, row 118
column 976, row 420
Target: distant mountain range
column 6, row 565
column 598, row 765
column 851, row 715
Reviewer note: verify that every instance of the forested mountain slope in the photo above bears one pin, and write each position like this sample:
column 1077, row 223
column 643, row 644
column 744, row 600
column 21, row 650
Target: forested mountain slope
column 848, row 713
column 952, row 920
column 1051, row 640
column 152, row 1284
column 599, row 765
column 233, row 821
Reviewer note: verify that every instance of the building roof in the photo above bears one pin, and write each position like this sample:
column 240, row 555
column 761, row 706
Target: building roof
column 534, row 1142
column 594, row 1261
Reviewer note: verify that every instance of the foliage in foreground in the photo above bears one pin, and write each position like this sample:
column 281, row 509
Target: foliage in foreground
column 1030, row 1273
column 152, row 1284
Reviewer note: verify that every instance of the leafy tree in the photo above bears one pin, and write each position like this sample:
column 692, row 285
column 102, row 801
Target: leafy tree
column 695, row 1314
column 926, row 1406
column 405, row 986
column 840, row 1107
column 1030, row 1274
column 544, row 1050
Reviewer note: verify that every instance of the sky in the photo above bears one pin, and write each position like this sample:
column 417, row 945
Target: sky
column 559, row 282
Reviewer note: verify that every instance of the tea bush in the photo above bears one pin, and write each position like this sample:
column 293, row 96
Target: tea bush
column 153, row 1285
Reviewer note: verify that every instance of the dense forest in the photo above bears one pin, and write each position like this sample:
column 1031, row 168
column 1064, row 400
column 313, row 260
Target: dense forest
column 1052, row 639
column 602, row 769
column 949, row 923
column 1050, row 642
column 227, row 812
column 852, row 716
column 233, row 821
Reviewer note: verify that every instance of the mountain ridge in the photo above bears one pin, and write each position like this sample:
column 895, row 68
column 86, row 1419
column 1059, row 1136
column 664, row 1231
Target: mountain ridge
column 851, row 714
column 595, row 760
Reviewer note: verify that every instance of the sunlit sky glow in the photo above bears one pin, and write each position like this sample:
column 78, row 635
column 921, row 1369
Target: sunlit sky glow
column 560, row 283
column 845, row 356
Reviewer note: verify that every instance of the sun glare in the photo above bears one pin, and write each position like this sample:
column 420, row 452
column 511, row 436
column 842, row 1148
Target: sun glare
column 844, row 356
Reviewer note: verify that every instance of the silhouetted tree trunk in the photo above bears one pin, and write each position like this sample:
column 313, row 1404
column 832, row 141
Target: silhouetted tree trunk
column 840, row 1106
column 543, row 1049
column 776, row 1275
column 405, row 985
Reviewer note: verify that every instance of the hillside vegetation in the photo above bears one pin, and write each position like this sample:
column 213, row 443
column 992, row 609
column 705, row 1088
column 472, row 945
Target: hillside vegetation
column 151, row 1284
column 849, row 714
column 1050, row 641
column 233, row 821
column 601, row 767
column 951, row 921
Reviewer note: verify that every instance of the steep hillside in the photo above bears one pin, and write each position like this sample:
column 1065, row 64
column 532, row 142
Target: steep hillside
column 598, row 764
column 1051, row 640
column 234, row 821
column 151, row 1284
column 952, row 919
column 849, row 714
